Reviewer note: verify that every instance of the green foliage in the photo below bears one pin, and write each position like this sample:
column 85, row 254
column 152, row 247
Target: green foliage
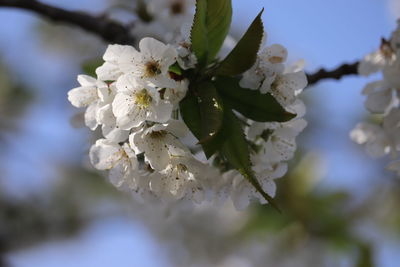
column 89, row 66
column 244, row 55
column 236, row 151
column 251, row 103
column 211, row 111
column 202, row 112
column 210, row 26
column 176, row 69
column 207, row 108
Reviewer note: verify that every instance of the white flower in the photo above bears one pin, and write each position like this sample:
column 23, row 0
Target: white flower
column 252, row 78
column 373, row 137
column 268, row 75
column 391, row 74
column 286, row 87
column 277, row 141
column 175, row 93
column 274, row 54
column 379, row 96
column 186, row 59
column 372, row 63
column 268, row 65
column 91, row 94
column 182, row 178
column 119, row 160
column 109, row 126
column 243, row 192
column 395, row 40
column 391, row 127
column 153, row 62
column 159, row 143
column 137, row 102
column 382, row 98
column 119, row 59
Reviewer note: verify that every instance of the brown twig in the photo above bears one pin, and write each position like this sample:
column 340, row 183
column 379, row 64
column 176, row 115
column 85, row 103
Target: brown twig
column 338, row 73
column 109, row 30
column 114, row 32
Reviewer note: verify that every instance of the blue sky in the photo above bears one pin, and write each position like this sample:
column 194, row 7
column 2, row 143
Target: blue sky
column 324, row 33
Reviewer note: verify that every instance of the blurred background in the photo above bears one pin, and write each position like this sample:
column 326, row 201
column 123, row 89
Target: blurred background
column 340, row 208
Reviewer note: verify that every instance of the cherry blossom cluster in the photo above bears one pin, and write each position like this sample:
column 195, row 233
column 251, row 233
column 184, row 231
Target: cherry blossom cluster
column 139, row 101
column 273, row 143
column 134, row 100
column 382, row 137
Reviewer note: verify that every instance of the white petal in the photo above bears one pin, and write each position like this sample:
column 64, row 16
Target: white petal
column 177, row 128
column 157, row 154
column 241, row 196
column 378, row 102
column 118, row 53
column 108, row 72
column 378, row 148
column 161, row 112
column 276, row 53
column 82, row 96
column 114, row 133
column 104, row 154
column 128, row 83
column 152, row 48
column 118, row 174
column 91, row 116
column 85, row 80
column 122, row 105
column 372, row 87
column 371, row 63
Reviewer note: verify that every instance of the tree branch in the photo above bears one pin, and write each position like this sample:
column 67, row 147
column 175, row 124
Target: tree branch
column 338, row 73
column 116, row 33
column 109, row 30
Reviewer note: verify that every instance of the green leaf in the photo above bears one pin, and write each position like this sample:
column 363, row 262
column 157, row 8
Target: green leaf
column 203, row 114
column 211, row 111
column 89, row 66
column 244, row 55
column 236, row 151
column 190, row 112
column 251, row 103
column 176, row 69
column 210, row 26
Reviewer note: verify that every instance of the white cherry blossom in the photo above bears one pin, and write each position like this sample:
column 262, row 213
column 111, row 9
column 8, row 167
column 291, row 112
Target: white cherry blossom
column 137, row 102
column 382, row 138
column 119, row 160
column 153, row 62
column 243, row 192
column 159, row 143
column 119, row 59
column 373, row 137
column 91, row 94
column 182, row 178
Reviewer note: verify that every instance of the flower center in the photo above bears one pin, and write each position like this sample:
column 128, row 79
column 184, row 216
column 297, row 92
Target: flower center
column 386, row 49
column 181, row 167
column 158, row 134
column 275, row 59
column 142, row 98
column 152, row 68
